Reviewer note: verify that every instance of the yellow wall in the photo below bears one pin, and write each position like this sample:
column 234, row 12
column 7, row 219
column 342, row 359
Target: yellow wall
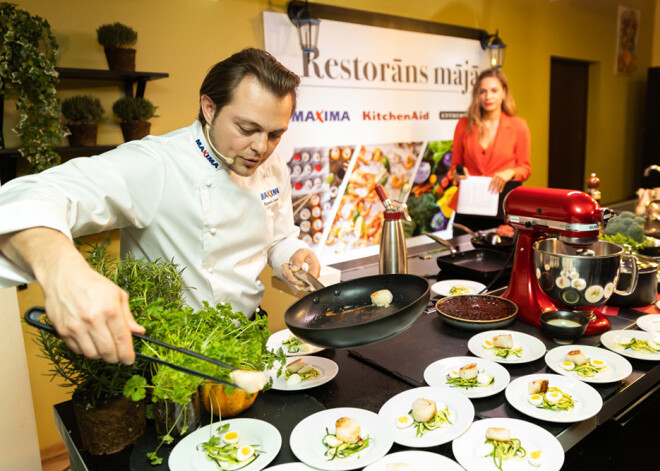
column 185, row 37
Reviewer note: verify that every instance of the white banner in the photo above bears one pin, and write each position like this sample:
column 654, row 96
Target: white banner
column 375, row 105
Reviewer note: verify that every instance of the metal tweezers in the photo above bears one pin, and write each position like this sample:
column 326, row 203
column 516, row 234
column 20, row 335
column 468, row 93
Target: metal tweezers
column 33, row 314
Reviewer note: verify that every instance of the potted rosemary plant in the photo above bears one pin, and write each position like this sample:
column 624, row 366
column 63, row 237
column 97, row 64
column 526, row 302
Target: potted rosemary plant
column 117, row 39
column 83, row 113
column 27, row 71
column 134, row 114
column 109, row 421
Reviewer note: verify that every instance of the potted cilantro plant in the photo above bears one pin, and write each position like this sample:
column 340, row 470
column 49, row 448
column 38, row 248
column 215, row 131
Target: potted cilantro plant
column 134, row 114
column 83, row 113
column 117, row 39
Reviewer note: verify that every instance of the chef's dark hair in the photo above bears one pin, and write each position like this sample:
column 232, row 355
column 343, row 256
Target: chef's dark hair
column 223, row 78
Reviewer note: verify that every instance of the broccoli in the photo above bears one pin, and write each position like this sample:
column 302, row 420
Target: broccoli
column 421, row 210
column 626, row 228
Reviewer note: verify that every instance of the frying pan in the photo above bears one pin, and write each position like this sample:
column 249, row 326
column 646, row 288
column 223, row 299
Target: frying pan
column 343, row 316
column 487, row 239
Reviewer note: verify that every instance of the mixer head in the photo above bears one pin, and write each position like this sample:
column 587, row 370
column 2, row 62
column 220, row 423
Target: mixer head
column 573, row 216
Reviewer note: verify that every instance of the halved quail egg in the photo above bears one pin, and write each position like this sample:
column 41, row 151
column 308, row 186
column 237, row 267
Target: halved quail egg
column 404, row 421
column 567, row 365
column 553, row 397
column 245, row 452
column 230, row 437
column 535, row 399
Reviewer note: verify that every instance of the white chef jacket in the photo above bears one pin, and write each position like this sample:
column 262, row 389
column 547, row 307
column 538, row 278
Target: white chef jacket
column 172, row 200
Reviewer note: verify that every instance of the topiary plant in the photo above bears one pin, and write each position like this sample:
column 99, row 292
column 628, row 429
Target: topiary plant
column 27, row 70
column 134, row 109
column 116, row 35
column 82, row 109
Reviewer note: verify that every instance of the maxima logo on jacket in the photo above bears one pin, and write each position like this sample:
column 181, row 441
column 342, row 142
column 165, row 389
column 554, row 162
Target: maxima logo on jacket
column 206, row 154
column 269, row 197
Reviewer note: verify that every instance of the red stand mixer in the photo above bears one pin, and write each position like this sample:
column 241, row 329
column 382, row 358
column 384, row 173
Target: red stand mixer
column 572, row 217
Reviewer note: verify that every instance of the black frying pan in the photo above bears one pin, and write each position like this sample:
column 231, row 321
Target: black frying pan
column 488, row 239
column 343, row 316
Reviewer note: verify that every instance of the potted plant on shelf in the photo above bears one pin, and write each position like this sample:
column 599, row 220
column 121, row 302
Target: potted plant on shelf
column 27, row 71
column 83, row 113
column 116, row 39
column 134, row 114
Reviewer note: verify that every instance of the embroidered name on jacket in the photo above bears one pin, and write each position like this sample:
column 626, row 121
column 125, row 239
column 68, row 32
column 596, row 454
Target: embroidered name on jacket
column 206, row 154
column 271, row 196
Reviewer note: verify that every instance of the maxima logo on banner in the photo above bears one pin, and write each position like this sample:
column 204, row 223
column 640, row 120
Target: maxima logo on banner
column 320, row 116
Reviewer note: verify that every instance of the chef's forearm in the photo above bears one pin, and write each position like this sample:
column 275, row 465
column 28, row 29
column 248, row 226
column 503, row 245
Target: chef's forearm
column 39, row 250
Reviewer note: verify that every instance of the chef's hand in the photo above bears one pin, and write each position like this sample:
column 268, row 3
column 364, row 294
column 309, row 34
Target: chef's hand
column 296, row 262
column 89, row 312
column 499, row 180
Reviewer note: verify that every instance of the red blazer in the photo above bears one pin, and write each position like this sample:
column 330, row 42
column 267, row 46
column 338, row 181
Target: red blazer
column 510, row 149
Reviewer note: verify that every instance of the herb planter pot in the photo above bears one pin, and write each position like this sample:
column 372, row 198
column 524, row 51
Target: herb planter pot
column 171, row 418
column 83, row 134
column 224, row 405
column 120, row 58
column 111, row 426
column 134, row 130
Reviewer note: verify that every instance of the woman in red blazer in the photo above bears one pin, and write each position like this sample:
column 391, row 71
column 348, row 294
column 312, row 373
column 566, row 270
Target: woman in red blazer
column 491, row 141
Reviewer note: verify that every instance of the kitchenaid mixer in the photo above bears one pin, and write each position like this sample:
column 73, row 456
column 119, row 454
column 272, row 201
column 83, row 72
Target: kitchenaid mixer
column 559, row 261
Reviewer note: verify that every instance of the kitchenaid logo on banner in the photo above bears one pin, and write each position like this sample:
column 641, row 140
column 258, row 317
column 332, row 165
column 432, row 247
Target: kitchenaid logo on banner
column 392, row 116
column 320, row 116
column 458, row 77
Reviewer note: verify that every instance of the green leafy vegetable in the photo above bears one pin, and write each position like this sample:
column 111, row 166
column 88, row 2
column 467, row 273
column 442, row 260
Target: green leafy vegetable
column 421, row 210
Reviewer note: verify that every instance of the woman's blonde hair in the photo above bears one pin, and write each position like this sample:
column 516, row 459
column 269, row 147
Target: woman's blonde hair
column 475, row 113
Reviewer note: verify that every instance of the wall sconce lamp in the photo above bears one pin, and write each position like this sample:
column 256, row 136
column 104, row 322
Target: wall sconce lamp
column 495, row 47
column 307, row 26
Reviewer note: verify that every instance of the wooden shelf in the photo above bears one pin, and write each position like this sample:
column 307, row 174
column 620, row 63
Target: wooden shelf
column 101, row 76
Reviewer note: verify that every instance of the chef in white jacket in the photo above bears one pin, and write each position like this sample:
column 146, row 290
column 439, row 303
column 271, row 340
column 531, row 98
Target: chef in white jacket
column 212, row 196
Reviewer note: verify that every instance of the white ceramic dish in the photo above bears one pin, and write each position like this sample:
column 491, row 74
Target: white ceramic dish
column 649, row 323
column 587, row 400
column 327, row 368
column 186, row 457
column 461, row 413
column 611, row 338
column 617, row 369
column 305, row 439
column 276, row 339
column 436, row 375
column 442, row 288
column 421, row 460
column 532, row 438
column 533, row 348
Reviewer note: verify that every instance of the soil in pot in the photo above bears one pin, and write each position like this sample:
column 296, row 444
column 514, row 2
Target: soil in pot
column 111, row 426
column 82, row 134
column 176, row 420
column 134, row 130
column 120, row 58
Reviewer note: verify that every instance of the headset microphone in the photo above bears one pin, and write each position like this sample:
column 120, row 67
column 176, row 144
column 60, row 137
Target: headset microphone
column 228, row 160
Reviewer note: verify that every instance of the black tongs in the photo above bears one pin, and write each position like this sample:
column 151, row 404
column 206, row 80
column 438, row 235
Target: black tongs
column 33, row 314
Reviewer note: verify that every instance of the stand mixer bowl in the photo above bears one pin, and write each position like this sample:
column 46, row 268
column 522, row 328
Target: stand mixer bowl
column 579, row 277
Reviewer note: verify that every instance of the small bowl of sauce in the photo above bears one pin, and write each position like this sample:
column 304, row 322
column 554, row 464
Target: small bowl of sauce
column 565, row 326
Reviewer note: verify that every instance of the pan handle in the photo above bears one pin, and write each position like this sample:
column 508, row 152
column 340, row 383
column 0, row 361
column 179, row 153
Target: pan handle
column 463, row 228
column 308, row 279
column 32, row 317
column 452, row 248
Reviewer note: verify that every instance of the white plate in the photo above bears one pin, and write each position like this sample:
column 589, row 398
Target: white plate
column 436, row 375
column 618, row 367
column 610, row 339
column 532, row 438
column 441, row 288
column 587, row 400
column 276, row 339
column 649, row 323
column 186, row 457
column 421, row 460
column 533, row 348
column 305, row 440
column 461, row 412
column 327, row 368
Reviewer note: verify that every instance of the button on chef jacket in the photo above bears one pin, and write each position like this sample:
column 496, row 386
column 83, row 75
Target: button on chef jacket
column 171, row 199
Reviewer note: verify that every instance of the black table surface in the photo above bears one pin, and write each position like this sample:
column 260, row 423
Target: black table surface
column 366, row 381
